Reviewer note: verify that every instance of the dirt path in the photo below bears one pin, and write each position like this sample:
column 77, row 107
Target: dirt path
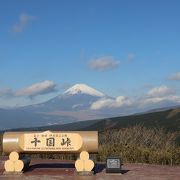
column 55, row 169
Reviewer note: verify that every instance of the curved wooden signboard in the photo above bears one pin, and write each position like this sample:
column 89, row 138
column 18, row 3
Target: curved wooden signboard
column 48, row 141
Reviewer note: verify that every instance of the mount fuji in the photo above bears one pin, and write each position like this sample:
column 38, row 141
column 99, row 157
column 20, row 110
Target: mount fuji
column 83, row 89
column 71, row 106
column 78, row 97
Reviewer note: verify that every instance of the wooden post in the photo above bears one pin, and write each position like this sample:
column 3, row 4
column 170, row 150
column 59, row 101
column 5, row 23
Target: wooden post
column 14, row 164
column 13, row 156
column 84, row 155
column 89, row 164
column 79, row 165
column 84, row 165
column 18, row 166
column 9, row 166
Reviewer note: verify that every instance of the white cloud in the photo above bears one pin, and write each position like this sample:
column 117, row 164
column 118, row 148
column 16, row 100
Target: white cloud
column 151, row 100
column 37, row 89
column 160, row 91
column 130, row 57
column 156, row 97
column 175, row 76
column 119, row 101
column 7, row 92
column 175, row 98
column 170, row 99
column 24, row 20
column 162, row 94
column 103, row 63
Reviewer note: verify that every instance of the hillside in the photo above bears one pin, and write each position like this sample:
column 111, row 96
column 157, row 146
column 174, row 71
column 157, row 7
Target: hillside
column 169, row 120
column 145, row 138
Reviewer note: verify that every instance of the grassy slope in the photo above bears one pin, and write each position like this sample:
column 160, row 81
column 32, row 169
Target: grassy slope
column 169, row 120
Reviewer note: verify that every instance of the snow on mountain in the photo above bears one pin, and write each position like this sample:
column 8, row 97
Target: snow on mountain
column 83, row 89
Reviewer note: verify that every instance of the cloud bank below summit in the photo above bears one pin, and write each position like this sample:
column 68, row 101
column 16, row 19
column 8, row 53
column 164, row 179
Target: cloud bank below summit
column 155, row 97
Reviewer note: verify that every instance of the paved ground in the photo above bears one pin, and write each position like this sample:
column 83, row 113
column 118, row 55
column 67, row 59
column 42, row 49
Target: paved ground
column 55, row 169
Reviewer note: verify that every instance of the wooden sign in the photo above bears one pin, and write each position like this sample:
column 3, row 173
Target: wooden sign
column 48, row 141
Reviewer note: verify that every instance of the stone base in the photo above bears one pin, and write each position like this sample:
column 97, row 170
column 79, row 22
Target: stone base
column 85, row 173
column 114, row 174
column 104, row 172
column 12, row 173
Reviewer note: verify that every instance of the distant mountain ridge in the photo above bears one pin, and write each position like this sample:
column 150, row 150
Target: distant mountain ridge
column 169, row 120
column 71, row 106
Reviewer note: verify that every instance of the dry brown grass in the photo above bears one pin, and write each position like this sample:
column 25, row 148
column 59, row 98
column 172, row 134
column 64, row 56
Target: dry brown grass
column 140, row 144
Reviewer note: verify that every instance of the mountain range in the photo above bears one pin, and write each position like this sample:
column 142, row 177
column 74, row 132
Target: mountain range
column 75, row 104
column 71, row 106
column 168, row 120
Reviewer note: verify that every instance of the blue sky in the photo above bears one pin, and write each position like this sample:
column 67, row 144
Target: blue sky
column 120, row 47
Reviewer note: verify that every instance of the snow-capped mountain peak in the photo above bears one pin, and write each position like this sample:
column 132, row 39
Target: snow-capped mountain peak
column 83, row 89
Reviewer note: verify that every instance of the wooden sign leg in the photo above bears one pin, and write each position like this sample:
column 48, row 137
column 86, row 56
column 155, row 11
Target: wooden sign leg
column 84, row 165
column 16, row 164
